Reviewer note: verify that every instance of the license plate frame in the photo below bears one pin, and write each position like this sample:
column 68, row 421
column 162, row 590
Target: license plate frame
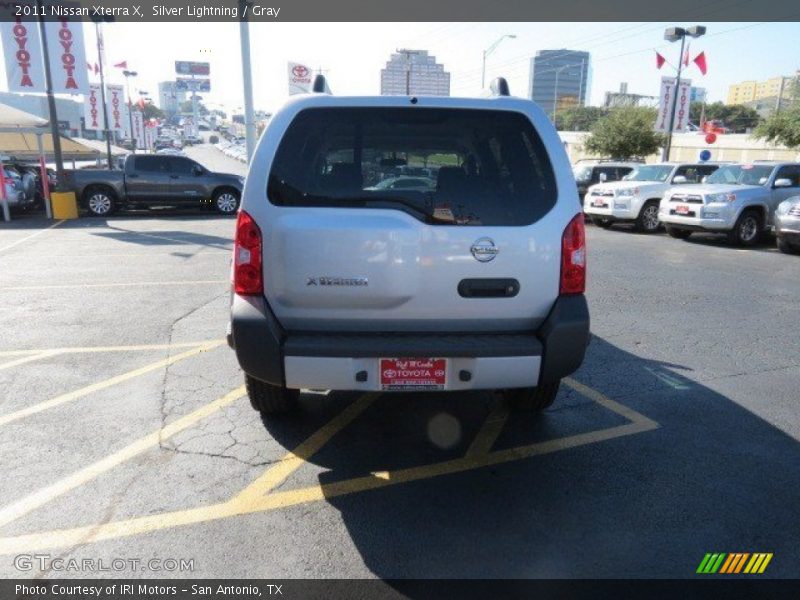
column 412, row 374
column 682, row 209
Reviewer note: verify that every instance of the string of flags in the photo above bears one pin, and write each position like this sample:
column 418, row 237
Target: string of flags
column 699, row 60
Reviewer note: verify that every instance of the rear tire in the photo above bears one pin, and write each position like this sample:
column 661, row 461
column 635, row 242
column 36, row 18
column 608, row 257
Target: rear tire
column 99, row 201
column 270, row 399
column 602, row 222
column 532, row 399
column 647, row 221
column 747, row 231
column 680, row 234
column 226, row 202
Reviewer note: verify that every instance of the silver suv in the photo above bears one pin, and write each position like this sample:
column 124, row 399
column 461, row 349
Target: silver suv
column 738, row 200
column 476, row 282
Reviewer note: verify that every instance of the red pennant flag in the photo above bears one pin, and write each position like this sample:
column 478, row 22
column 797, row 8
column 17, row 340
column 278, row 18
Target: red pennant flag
column 141, row 103
column 122, row 65
column 89, row 66
column 660, row 60
column 700, row 61
column 686, row 56
column 96, row 69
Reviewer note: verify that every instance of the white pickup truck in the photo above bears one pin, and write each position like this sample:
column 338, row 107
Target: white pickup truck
column 636, row 198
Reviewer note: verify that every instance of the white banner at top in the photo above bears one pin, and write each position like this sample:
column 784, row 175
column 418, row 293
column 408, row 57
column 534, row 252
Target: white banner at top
column 67, row 56
column 666, row 98
column 22, row 50
column 299, row 79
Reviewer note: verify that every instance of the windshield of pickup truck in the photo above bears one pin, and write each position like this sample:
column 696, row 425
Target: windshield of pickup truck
column 741, row 174
column 649, row 173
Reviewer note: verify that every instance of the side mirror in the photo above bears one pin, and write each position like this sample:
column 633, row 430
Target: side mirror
column 602, row 177
column 197, row 170
column 783, row 182
column 679, row 179
column 704, row 179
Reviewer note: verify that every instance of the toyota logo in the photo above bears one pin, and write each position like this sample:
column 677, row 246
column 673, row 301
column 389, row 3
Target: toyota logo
column 300, row 71
column 484, row 249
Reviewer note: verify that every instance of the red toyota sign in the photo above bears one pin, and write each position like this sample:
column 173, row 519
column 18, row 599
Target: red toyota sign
column 300, row 71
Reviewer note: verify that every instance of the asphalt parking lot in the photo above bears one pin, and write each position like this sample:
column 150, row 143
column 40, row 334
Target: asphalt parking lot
column 127, row 433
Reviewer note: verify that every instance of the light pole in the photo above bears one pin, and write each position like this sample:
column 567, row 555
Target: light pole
column 673, row 34
column 106, row 130
column 488, row 51
column 128, row 75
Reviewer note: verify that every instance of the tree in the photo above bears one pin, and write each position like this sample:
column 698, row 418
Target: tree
column 736, row 117
column 627, row 132
column 151, row 111
column 783, row 126
column 579, row 118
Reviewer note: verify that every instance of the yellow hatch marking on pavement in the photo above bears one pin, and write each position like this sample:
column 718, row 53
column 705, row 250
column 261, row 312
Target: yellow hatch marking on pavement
column 490, row 431
column 33, row 501
column 96, row 387
column 130, row 348
column 29, row 358
column 33, row 235
column 258, row 498
column 278, row 473
column 119, row 284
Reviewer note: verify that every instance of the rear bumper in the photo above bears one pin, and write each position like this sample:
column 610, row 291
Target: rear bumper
column 350, row 361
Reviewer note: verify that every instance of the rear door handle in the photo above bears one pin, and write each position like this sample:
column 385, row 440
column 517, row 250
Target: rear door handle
column 488, row 288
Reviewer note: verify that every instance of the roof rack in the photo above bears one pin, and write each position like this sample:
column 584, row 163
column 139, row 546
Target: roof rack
column 499, row 87
column 320, row 85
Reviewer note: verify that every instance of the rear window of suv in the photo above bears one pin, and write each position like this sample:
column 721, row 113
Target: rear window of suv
column 471, row 167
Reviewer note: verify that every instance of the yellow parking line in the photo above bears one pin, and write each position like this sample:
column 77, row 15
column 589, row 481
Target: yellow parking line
column 112, row 285
column 129, row 348
column 95, row 387
column 33, row 501
column 602, row 400
column 490, row 430
column 295, row 459
column 247, row 501
column 28, row 237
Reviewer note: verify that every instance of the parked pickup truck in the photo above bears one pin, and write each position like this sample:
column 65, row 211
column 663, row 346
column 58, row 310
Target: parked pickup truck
column 737, row 200
column 148, row 180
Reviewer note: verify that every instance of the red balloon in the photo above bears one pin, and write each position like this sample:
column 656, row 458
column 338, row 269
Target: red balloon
column 711, row 138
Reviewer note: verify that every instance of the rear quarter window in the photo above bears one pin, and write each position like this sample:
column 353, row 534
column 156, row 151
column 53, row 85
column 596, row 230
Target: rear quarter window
column 471, row 167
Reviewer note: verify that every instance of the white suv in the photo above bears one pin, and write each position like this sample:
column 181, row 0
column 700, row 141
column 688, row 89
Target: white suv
column 476, row 282
column 635, row 199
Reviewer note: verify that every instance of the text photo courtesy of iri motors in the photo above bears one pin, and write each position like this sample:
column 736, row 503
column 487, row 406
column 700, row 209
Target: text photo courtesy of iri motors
column 329, row 300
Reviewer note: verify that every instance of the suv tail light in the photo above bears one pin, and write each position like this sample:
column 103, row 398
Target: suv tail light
column 247, row 277
column 573, row 258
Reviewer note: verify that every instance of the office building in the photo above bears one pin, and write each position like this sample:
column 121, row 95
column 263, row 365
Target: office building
column 414, row 73
column 560, row 79
column 767, row 93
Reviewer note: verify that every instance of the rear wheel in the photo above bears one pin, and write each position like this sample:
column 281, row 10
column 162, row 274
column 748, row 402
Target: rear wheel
column 602, row 222
column 747, row 231
column 99, row 201
column 270, row 399
column 532, row 399
column 647, row 221
column 681, row 234
column 226, row 202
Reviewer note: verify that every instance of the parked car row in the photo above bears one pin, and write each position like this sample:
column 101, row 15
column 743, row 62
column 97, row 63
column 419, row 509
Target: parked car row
column 742, row 201
column 23, row 183
column 234, row 148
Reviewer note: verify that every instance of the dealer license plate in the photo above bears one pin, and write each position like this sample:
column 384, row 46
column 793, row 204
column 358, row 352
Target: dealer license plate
column 401, row 374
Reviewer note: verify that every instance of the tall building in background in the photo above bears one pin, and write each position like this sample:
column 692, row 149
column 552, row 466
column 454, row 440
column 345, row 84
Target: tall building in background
column 170, row 99
column 414, row 73
column 764, row 96
column 560, row 78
